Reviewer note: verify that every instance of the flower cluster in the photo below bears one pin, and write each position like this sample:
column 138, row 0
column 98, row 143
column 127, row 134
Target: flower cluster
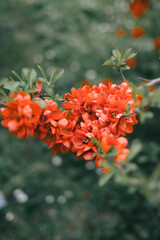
column 94, row 120
column 21, row 115
column 138, row 7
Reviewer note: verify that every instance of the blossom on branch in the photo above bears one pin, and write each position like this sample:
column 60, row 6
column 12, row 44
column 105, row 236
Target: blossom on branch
column 21, row 115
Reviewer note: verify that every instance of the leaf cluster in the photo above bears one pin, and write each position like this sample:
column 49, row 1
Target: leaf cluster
column 118, row 59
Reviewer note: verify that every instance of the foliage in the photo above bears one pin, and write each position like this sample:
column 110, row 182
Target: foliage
column 78, row 36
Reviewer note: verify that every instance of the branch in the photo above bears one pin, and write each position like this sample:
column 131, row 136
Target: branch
column 151, row 82
column 3, row 104
column 123, row 77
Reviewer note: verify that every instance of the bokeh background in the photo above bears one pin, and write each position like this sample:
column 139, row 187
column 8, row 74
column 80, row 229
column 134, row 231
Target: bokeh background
column 46, row 197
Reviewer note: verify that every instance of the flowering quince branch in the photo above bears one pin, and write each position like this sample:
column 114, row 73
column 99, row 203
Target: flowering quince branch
column 94, row 121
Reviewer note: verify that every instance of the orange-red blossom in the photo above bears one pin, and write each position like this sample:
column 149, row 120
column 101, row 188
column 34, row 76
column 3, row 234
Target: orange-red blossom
column 21, row 115
column 91, row 113
column 138, row 7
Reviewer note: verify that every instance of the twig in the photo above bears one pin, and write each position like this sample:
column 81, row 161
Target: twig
column 151, row 82
column 3, row 104
column 123, row 77
column 144, row 79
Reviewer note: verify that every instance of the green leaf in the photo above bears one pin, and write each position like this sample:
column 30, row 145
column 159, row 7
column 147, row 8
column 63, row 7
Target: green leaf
column 31, row 78
column 108, row 63
column 17, row 75
column 129, row 53
column 58, row 98
column 11, row 86
column 25, row 72
column 43, row 72
column 96, row 142
column 49, row 90
column 56, row 75
column 40, row 102
column 135, row 149
column 5, row 96
column 128, row 108
column 3, row 81
column 105, row 178
column 116, row 53
column 125, row 68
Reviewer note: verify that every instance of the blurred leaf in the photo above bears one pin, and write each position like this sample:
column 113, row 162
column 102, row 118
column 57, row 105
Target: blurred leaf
column 43, row 72
column 31, row 78
column 105, row 178
column 17, row 75
column 56, row 75
column 25, row 72
column 49, row 90
column 5, row 96
column 129, row 53
column 40, row 102
column 11, row 86
column 108, row 63
column 135, row 149
column 3, row 81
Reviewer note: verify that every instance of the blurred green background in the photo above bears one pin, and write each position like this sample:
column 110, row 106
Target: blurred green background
column 43, row 197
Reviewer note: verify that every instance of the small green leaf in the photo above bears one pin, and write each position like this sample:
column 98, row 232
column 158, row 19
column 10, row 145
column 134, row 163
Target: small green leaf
column 25, row 72
column 125, row 68
column 105, row 178
column 116, row 53
column 31, row 78
column 11, row 86
column 56, row 75
column 108, row 63
column 49, row 90
column 135, row 149
column 40, row 102
column 129, row 53
column 3, row 81
column 95, row 154
column 128, row 108
column 58, row 98
column 5, row 96
column 17, row 75
column 96, row 142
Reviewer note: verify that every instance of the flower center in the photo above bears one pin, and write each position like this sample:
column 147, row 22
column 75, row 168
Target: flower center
column 85, row 140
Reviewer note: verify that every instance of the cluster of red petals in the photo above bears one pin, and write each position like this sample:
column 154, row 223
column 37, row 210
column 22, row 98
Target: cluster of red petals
column 99, row 113
column 56, row 128
column 21, row 115
column 137, row 32
column 138, row 7
column 96, row 112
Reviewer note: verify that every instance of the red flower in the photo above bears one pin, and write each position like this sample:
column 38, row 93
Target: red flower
column 132, row 62
column 137, row 32
column 82, row 144
column 138, row 7
column 21, row 116
column 55, row 128
column 156, row 43
column 120, row 33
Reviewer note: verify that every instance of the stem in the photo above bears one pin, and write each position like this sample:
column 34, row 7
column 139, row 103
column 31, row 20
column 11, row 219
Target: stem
column 3, row 104
column 150, row 83
column 123, row 77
